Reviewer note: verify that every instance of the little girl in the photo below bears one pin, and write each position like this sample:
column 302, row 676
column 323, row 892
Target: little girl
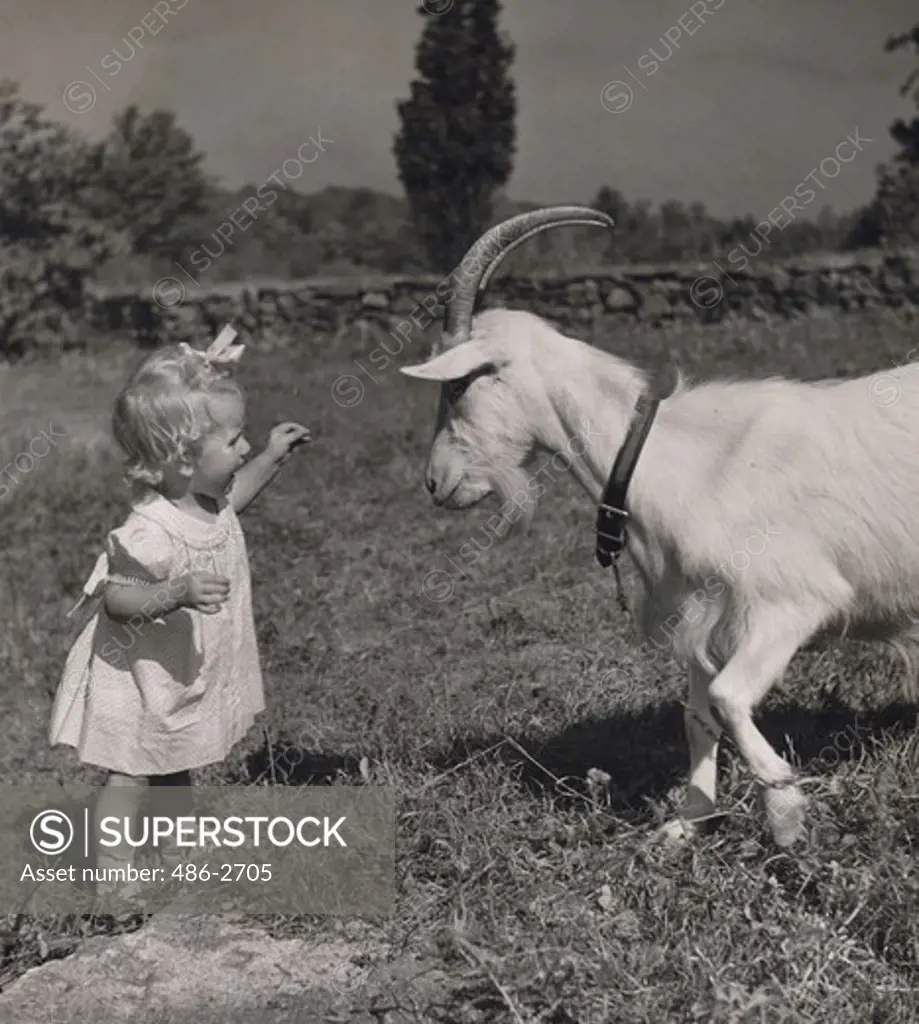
column 165, row 676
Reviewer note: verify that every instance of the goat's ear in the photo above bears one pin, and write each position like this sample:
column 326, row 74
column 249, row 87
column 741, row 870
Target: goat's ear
column 453, row 364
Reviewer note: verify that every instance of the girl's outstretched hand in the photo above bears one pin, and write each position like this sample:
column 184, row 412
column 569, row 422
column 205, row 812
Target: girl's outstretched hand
column 284, row 438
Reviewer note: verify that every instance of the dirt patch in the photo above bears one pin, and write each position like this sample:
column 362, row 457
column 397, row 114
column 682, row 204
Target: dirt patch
column 179, row 968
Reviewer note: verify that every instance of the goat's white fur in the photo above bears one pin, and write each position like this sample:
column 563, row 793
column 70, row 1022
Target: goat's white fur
column 831, row 479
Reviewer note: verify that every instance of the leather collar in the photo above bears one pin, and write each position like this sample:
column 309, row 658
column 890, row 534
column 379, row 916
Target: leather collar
column 612, row 513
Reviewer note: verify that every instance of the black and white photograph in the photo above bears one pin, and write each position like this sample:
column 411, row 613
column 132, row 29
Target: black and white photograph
column 459, row 512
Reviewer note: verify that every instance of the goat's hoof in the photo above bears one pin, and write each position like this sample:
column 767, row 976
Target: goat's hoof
column 785, row 811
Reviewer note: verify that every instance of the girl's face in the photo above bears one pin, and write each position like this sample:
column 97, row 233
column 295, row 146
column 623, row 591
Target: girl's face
column 224, row 449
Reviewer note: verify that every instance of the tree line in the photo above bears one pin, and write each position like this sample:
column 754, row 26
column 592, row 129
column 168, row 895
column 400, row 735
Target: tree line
column 126, row 208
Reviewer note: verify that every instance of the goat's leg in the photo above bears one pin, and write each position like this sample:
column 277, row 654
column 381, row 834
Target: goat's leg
column 762, row 654
column 702, row 735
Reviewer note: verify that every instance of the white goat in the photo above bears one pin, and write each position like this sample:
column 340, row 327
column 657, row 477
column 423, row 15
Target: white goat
column 829, row 478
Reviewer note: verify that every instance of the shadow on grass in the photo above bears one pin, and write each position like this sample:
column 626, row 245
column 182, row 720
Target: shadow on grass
column 645, row 753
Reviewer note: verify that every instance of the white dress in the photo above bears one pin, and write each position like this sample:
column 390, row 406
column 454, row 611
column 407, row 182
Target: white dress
column 176, row 693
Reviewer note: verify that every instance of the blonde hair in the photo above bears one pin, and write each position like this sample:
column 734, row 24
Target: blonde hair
column 161, row 415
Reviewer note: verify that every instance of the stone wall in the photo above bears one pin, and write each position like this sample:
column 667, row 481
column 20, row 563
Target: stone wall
column 652, row 295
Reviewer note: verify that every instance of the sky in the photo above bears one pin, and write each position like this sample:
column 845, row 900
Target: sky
column 745, row 104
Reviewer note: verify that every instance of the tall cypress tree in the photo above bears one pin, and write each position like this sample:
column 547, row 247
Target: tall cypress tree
column 456, row 144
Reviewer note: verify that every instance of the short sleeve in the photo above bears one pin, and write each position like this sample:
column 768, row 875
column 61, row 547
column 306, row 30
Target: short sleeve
column 137, row 552
column 140, row 551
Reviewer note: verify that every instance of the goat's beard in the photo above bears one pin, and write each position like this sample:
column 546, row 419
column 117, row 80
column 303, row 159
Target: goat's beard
column 517, row 496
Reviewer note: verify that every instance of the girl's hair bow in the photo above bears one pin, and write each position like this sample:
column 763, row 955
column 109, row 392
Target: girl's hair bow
column 221, row 351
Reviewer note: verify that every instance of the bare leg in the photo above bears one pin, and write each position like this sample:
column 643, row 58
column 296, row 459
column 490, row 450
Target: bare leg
column 163, row 793
column 121, row 799
column 170, row 797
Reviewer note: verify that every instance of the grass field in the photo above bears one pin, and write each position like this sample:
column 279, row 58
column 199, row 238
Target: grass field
column 526, row 892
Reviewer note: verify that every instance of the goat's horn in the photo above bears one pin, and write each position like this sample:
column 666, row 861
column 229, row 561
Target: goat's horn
column 479, row 263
